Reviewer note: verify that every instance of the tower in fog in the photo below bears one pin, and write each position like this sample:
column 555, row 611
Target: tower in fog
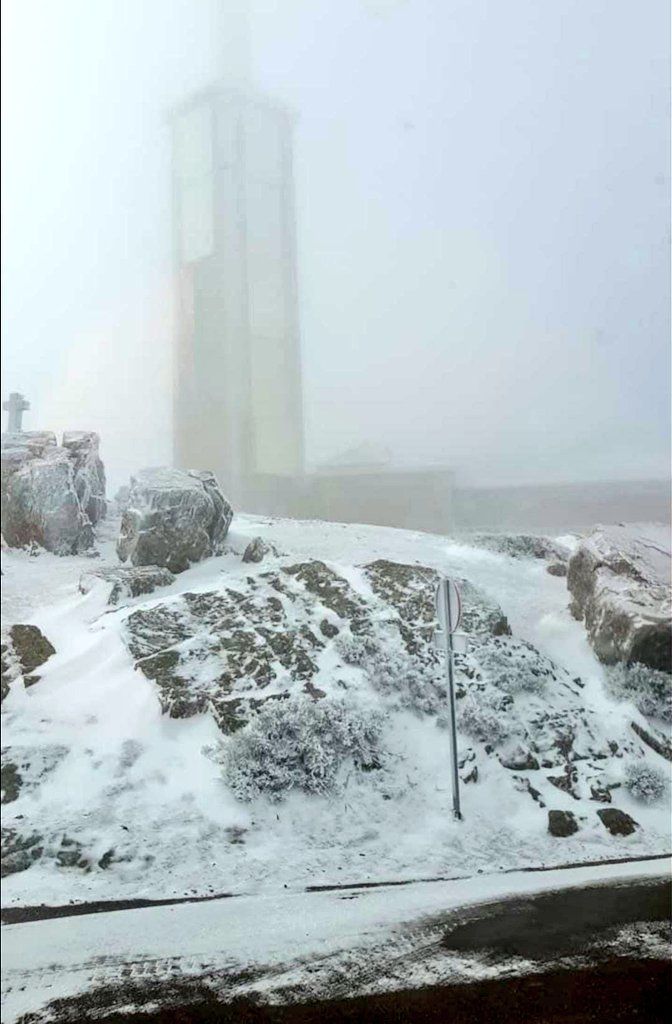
column 238, row 400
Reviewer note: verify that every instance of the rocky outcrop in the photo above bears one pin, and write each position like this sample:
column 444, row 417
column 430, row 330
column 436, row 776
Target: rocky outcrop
column 654, row 739
column 256, row 550
column 127, row 582
column 88, row 472
column 411, row 589
column 522, row 545
column 51, row 495
column 220, row 651
column 19, row 851
column 30, row 646
column 24, row 649
column 24, row 768
column 174, row 518
column 619, row 580
column 519, row 759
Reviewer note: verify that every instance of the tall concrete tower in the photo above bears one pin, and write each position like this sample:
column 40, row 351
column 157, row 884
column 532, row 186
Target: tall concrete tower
column 238, row 399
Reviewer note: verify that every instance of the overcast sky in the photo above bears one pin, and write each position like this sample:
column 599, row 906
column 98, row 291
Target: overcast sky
column 483, row 224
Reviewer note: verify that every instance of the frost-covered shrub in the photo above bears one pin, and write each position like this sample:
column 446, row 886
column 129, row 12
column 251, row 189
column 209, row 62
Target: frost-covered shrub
column 648, row 688
column 645, row 782
column 482, row 717
column 515, row 666
column 302, row 744
column 416, row 685
column 356, row 651
column 395, row 673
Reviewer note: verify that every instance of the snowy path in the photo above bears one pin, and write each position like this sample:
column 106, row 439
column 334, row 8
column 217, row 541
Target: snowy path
column 303, row 939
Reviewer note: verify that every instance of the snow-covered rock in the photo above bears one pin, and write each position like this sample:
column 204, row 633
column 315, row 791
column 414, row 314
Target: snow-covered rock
column 616, row 821
column 121, row 498
column 227, row 651
column 40, row 504
column 24, row 648
column 126, row 581
column 562, row 823
column 88, row 472
column 174, row 518
column 256, row 550
column 619, row 579
column 522, row 545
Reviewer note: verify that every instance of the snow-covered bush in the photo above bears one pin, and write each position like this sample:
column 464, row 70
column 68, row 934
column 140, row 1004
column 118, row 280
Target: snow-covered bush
column 482, row 717
column 648, row 688
column 395, row 673
column 355, row 650
column 645, row 782
column 515, row 666
column 302, row 744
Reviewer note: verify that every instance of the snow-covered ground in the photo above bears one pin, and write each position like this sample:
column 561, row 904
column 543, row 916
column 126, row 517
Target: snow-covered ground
column 123, row 777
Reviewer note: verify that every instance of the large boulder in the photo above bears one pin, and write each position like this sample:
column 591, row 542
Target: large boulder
column 88, row 472
column 40, row 504
column 619, row 579
column 174, row 518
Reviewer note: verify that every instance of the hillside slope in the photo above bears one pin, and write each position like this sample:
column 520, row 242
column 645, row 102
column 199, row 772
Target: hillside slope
column 140, row 763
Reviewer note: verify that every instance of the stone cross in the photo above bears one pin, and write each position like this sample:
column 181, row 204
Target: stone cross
column 15, row 406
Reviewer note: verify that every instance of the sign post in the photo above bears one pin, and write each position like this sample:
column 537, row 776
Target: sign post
column 449, row 612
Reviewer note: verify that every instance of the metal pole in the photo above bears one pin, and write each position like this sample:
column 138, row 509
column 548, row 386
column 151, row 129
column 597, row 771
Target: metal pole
column 448, row 627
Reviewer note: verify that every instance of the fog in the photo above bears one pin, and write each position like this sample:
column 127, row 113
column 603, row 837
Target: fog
column 482, row 198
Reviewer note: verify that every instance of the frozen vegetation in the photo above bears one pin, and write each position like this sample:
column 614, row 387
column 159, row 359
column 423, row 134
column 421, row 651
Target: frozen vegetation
column 645, row 781
column 648, row 688
column 301, row 744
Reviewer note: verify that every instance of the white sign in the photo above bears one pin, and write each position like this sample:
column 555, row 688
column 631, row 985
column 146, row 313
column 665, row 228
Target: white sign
column 460, row 642
column 448, row 605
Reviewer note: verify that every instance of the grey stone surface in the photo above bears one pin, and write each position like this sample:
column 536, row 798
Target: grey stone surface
column 31, row 647
column 522, row 545
column 256, row 550
column 619, row 579
column 616, row 821
column 88, row 472
column 19, row 851
column 174, row 518
column 50, row 493
column 562, row 823
column 127, row 581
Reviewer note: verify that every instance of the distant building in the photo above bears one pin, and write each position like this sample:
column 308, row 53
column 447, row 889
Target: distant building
column 414, row 498
column 238, row 402
column 238, row 407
